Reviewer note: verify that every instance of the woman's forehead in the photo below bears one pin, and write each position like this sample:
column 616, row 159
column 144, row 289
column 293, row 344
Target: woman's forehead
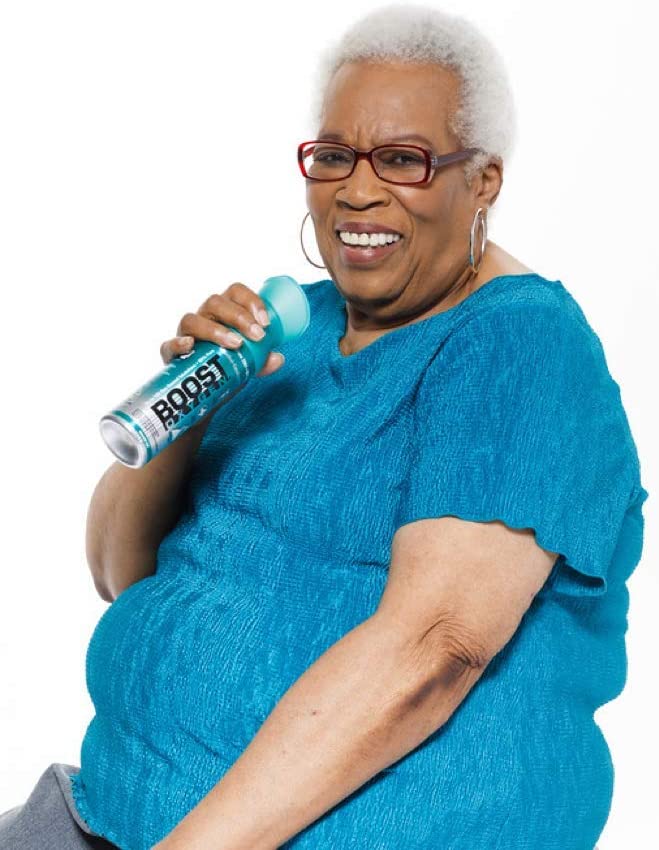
column 388, row 102
column 402, row 80
column 395, row 135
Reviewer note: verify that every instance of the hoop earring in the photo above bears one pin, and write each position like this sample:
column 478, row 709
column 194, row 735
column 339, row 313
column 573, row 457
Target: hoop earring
column 302, row 244
column 483, row 238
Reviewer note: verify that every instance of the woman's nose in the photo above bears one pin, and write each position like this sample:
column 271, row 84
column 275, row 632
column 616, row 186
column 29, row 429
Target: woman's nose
column 363, row 184
column 364, row 168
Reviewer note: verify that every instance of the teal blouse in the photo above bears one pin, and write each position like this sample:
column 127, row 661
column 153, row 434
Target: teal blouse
column 501, row 407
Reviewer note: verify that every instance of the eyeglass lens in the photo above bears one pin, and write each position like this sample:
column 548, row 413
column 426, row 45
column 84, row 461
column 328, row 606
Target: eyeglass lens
column 398, row 163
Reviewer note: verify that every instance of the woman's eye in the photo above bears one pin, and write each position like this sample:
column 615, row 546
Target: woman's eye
column 330, row 157
column 405, row 159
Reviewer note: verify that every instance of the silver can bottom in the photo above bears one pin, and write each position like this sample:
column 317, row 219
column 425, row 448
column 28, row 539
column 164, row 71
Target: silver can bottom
column 123, row 441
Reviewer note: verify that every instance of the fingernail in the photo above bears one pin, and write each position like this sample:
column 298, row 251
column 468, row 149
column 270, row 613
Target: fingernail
column 256, row 331
column 232, row 337
column 263, row 317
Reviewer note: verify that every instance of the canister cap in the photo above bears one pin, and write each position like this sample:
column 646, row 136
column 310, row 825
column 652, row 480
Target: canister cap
column 290, row 302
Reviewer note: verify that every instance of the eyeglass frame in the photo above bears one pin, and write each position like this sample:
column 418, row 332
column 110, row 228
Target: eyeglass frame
column 433, row 161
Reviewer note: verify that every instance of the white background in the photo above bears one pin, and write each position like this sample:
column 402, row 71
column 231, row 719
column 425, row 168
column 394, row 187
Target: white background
column 127, row 130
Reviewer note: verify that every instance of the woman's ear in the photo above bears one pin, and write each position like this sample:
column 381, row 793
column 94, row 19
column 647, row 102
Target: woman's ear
column 488, row 182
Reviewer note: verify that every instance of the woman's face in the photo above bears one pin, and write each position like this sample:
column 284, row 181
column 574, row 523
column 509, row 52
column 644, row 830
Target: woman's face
column 368, row 105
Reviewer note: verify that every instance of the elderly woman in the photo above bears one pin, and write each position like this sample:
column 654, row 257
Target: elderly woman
column 374, row 601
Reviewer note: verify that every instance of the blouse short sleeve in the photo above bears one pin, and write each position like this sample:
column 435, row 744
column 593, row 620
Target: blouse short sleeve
column 517, row 419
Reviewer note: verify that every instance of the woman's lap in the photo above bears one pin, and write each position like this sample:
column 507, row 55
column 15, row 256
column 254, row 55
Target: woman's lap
column 48, row 820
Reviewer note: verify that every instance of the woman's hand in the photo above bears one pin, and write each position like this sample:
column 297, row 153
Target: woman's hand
column 237, row 306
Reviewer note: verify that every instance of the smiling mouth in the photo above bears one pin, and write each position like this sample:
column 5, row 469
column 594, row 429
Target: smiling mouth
column 368, row 246
column 366, row 255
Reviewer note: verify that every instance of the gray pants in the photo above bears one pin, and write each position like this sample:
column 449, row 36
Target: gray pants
column 49, row 820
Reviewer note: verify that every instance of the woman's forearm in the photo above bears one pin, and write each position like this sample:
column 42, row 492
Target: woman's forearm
column 365, row 703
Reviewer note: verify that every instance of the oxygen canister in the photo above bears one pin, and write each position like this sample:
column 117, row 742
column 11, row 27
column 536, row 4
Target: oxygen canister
column 192, row 384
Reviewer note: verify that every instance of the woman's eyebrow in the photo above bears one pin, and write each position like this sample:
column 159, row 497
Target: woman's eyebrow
column 338, row 137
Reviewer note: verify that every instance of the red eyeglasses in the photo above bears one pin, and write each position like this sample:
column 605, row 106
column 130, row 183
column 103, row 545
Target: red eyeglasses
column 404, row 165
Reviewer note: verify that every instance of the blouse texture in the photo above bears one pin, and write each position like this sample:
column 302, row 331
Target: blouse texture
column 501, row 407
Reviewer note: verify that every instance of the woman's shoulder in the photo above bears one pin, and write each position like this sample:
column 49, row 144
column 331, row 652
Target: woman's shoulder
column 528, row 290
column 514, row 287
column 522, row 321
column 521, row 304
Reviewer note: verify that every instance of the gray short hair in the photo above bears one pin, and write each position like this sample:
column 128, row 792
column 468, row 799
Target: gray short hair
column 423, row 34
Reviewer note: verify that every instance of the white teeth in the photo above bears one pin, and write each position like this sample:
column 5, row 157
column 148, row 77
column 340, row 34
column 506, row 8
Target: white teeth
column 370, row 239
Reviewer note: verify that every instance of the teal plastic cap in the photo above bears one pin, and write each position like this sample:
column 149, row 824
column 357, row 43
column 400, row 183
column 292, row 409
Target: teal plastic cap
column 290, row 302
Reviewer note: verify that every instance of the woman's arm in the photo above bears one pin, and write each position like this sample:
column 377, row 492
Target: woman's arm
column 456, row 592
column 131, row 510
column 363, row 704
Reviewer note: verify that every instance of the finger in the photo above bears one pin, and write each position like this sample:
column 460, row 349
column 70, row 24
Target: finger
column 273, row 362
column 250, row 300
column 223, row 308
column 201, row 327
column 175, row 347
